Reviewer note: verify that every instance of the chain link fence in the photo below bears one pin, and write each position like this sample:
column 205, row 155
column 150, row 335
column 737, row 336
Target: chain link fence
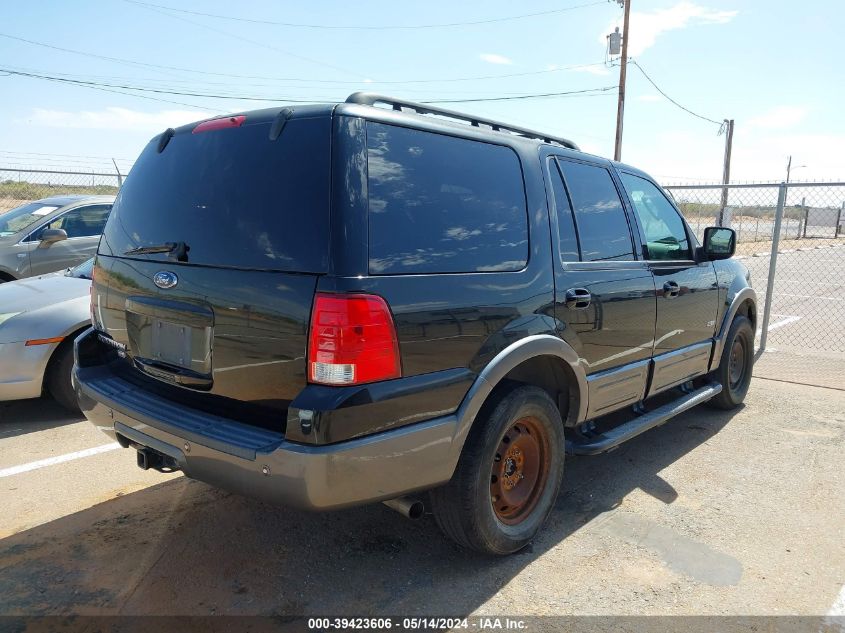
column 19, row 186
column 792, row 239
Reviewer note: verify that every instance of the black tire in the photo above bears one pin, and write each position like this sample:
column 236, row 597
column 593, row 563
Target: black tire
column 58, row 380
column 464, row 508
column 735, row 365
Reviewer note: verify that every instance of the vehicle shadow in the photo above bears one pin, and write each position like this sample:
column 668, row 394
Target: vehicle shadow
column 182, row 547
column 19, row 417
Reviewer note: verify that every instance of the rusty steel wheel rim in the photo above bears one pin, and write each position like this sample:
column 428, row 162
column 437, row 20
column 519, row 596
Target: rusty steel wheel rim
column 736, row 367
column 520, row 470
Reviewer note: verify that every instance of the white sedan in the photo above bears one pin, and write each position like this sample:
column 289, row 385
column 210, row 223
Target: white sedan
column 39, row 319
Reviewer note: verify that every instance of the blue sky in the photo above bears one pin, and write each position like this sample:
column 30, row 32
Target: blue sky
column 769, row 64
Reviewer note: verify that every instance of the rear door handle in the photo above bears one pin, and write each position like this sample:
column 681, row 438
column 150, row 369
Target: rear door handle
column 671, row 290
column 578, row 298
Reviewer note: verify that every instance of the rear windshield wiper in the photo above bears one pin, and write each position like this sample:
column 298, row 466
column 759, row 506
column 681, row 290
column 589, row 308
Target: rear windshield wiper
column 175, row 250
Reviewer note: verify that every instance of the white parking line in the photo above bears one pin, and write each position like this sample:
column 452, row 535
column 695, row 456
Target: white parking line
column 785, row 294
column 787, row 320
column 58, row 459
column 838, row 608
column 808, row 283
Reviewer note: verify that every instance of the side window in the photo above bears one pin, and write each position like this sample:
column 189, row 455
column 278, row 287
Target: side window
column 83, row 222
column 602, row 226
column 665, row 235
column 565, row 223
column 440, row 204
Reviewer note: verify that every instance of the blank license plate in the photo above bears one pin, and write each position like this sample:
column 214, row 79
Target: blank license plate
column 171, row 343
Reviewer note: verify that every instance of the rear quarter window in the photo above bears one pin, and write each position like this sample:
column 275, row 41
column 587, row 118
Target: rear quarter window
column 441, row 204
column 602, row 226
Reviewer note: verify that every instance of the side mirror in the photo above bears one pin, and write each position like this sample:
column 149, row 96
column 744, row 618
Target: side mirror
column 719, row 242
column 51, row 236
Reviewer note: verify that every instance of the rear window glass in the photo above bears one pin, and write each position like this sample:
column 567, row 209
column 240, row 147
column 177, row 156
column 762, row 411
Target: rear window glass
column 233, row 196
column 440, row 204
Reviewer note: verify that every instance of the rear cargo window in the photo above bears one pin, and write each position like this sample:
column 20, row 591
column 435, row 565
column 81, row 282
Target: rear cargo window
column 232, row 196
column 440, row 204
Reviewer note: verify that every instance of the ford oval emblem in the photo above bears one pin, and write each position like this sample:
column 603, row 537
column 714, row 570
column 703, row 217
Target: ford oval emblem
column 165, row 279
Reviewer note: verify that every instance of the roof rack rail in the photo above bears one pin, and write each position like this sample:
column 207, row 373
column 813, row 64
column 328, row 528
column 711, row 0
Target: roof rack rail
column 369, row 98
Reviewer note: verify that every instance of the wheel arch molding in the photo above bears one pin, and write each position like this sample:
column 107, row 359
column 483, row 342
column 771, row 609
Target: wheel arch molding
column 510, row 361
column 744, row 302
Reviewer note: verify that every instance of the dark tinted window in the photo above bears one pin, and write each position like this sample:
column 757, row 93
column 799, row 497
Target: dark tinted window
column 665, row 235
column 83, row 222
column 235, row 197
column 565, row 224
column 602, row 226
column 443, row 204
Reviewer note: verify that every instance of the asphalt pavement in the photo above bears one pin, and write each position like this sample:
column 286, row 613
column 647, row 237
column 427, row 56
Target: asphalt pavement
column 806, row 342
column 713, row 513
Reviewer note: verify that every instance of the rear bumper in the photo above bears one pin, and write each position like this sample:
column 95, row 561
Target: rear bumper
column 261, row 463
column 22, row 369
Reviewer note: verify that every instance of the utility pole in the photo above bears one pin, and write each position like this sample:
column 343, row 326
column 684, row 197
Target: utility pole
column 623, row 68
column 788, row 169
column 726, row 171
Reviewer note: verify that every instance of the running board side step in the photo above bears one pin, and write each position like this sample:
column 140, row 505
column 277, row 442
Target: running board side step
column 610, row 439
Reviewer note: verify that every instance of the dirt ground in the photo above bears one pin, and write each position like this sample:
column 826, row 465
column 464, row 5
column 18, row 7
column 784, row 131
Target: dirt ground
column 714, row 513
column 764, row 249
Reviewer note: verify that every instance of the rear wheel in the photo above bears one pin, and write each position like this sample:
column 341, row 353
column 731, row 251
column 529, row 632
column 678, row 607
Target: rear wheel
column 58, row 378
column 735, row 365
column 508, row 476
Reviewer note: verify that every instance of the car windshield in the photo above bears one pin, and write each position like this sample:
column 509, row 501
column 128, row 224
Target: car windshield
column 19, row 219
column 83, row 271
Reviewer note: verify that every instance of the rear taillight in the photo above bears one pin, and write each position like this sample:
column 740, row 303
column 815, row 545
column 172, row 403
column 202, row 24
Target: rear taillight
column 352, row 340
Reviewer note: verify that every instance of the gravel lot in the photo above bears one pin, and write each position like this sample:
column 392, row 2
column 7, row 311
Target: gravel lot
column 713, row 513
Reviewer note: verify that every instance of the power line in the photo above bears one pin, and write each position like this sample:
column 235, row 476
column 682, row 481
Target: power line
column 194, row 71
column 101, row 85
column 651, row 81
column 53, row 154
column 116, row 60
column 147, row 97
column 113, row 87
column 214, row 86
column 67, row 161
column 249, row 41
column 109, row 88
column 59, row 168
column 367, row 27
column 586, row 92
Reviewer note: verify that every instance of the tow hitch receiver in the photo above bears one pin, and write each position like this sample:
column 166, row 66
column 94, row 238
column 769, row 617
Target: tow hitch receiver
column 148, row 458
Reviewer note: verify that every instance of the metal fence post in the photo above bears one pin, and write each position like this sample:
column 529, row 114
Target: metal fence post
column 806, row 213
column 119, row 175
column 806, row 217
column 770, row 284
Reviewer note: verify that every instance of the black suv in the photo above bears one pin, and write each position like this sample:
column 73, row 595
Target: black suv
column 334, row 305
